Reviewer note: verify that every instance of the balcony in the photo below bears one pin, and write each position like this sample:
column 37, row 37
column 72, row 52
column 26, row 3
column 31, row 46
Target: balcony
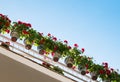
column 20, row 65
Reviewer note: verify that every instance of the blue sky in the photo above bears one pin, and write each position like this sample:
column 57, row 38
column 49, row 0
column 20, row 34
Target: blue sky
column 92, row 24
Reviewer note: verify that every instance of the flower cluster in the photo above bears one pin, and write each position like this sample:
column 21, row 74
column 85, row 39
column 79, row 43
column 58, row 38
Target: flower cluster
column 22, row 29
column 4, row 23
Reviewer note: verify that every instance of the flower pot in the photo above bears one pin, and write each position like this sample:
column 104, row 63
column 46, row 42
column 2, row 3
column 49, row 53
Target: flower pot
column 47, row 65
column 28, row 45
column 94, row 75
column 69, row 61
column 5, row 45
column 82, row 69
column 40, row 49
column 14, row 36
column 56, row 56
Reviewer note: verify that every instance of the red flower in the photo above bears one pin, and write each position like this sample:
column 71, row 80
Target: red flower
column 52, row 53
column 29, row 25
column 49, row 34
column 76, row 45
column 82, row 50
column 87, row 71
column 19, row 22
column 25, row 24
column 65, row 41
column 7, row 30
column 25, row 32
column 86, row 66
column 54, row 38
column 106, row 64
column 108, row 72
column 1, row 14
column 55, row 48
column 101, row 71
column 111, row 69
column 69, row 47
column 73, row 67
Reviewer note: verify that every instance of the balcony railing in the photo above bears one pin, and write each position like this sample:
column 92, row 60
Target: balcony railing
column 34, row 56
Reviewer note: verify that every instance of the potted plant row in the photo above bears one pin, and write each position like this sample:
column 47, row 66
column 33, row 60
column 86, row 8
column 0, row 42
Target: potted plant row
column 50, row 44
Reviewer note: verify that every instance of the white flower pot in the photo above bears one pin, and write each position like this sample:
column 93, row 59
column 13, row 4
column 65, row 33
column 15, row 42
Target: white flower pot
column 69, row 61
column 14, row 36
column 82, row 69
column 40, row 49
column 56, row 56
column 94, row 75
column 28, row 46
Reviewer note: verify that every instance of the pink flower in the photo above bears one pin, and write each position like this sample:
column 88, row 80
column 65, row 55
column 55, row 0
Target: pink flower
column 65, row 41
column 49, row 34
column 1, row 14
column 111, row 69
column 52, row 53
column 82, row 50
column 105, row 65
column 76, row 45
column 54, row 38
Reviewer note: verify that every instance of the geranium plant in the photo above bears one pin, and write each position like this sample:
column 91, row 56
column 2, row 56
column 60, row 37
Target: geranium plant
column 21, row 29
column 4, row 24
column 95, row 70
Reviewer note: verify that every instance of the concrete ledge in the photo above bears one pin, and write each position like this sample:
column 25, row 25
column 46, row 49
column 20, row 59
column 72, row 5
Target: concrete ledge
column 28, row 68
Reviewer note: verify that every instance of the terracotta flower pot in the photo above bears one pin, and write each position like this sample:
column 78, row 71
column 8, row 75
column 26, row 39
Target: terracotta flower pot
column 82, row 69
column 56, row 56
column 40, row 49
column 28, row 46
column 14, row 36
column 94, row 75
column 5, row 45
column 69, row 61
